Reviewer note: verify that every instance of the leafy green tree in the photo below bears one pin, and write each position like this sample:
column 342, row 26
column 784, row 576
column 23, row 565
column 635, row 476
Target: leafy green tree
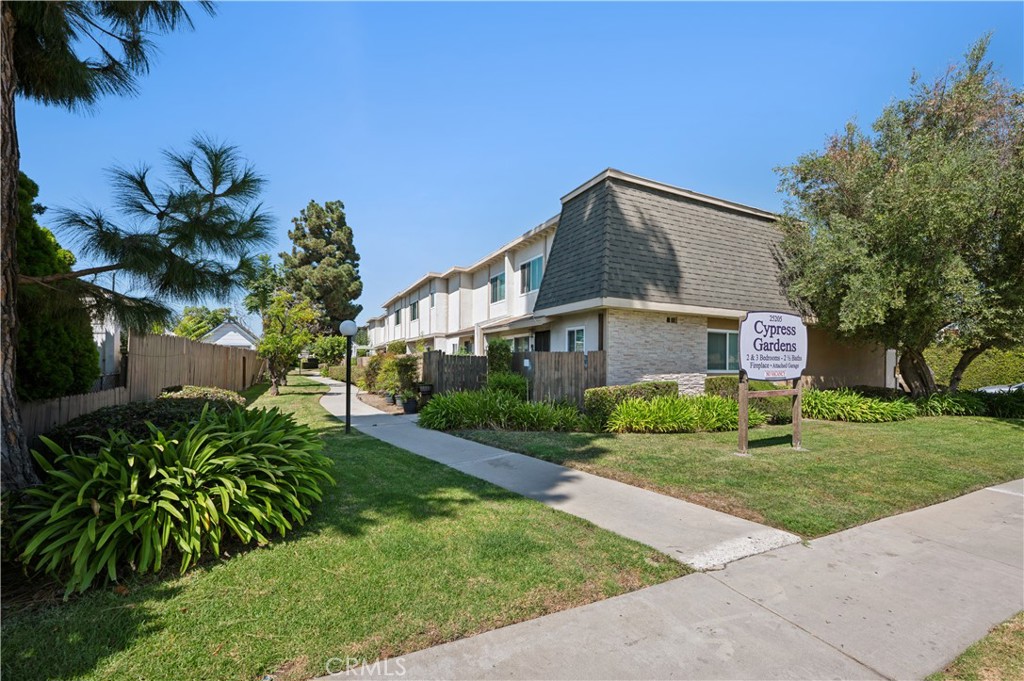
column 324, row 265
column 287, row 329
column 48, row 53
column 330, row 350
column 918, row 227
column 58, row 355
column 362, row 336
column 198, row 321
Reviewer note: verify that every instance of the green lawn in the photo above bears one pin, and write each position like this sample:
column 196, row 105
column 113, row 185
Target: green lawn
column 997, row 657
column 850, row 474
column 404, row 553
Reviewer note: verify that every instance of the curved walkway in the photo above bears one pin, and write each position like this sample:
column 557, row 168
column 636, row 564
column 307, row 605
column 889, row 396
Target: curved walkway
column 691, row 534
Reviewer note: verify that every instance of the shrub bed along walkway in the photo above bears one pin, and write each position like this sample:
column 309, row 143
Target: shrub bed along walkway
column 692, row 534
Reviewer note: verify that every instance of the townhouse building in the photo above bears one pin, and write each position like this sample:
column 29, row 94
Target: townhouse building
column 656, row 275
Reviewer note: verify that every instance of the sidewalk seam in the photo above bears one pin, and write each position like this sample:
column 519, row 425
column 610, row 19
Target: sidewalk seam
column 809, row 633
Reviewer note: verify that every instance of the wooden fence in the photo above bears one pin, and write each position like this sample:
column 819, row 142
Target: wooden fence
column 555, row 376
column 154, row 363
column 561, row 376
column 449, row 373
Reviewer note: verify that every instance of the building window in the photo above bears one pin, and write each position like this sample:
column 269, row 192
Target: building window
column 414, row 311
column 398, row 316
column 530, row 274
column 521, row 344
column 575, row 340
column 498, row 287
column 723, row 351
column 431, row 299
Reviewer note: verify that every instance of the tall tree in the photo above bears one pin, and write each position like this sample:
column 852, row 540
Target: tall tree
column 288, row 327
column 197, row 321
column 324, row 265
column 918, row 228
column 261, row 283
column 66, row 54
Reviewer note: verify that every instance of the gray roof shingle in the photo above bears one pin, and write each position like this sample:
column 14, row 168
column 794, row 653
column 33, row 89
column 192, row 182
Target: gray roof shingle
column 623, row 239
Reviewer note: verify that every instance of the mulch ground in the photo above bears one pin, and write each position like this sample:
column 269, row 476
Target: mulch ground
column 378, row 402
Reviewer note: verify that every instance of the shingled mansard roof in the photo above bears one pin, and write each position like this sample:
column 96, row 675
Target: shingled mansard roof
column 625, row 238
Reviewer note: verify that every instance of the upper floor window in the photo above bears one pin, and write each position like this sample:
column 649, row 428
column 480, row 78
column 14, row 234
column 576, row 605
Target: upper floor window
column 575, row 341
column 398, row 315
column 530, row 274
column 723, row 350
column 431, row 299
column 498, row 287
column 414, row 311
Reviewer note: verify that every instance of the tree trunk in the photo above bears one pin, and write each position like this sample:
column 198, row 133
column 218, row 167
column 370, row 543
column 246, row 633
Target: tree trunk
column 966, row 358
column 16, row 471
column 916, row 374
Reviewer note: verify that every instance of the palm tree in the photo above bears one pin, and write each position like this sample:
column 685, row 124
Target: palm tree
column 65, row 54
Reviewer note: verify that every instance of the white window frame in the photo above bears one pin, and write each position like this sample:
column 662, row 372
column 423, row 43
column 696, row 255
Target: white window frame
column 727, row 370
column 528, row 265
column 398, row 316
column 583, row 332
column 491, row 288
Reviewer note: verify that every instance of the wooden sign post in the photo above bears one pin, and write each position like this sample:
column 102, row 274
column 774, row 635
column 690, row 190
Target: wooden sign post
column 772, row 347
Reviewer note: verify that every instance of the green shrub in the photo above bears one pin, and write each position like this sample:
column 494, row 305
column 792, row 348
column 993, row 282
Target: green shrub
column 992, row 367
column 679, row 414
column 246, row 474
column 499, row 355
column 496, row 409
column 951, row 404
column 407, row 368
column 397, row 347
column 362, row 352
column 878, row 392
column 515, row 384
column 1004, row 405
column 845, row 405
column 202, row 392
column 599, row 403
column 373, row 368
column 778, row 409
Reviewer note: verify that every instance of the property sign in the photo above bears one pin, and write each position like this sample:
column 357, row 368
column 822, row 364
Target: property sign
column 773, row 346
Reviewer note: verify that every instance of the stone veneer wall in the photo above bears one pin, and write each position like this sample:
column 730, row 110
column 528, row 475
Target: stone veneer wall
column 643, row 346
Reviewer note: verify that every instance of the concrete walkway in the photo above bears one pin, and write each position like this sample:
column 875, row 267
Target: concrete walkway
column 898, row 599
column 690, row 533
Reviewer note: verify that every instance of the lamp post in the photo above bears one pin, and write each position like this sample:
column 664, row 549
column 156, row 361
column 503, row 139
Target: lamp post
column 348, row 329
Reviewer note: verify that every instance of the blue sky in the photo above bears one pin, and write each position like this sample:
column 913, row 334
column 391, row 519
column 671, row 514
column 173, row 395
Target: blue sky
column 448, row 129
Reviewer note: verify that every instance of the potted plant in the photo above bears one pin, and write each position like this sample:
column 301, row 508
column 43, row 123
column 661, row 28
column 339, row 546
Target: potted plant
column 408, row 401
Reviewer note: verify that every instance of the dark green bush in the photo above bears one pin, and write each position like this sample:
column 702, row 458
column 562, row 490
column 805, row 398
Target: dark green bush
column 951, row 404
column 778, row 409
column 599, row 403
column 407, row 368
column 373, row 368
column 362, row 352
column 397, row 347
column 1004, row 405
column 679, row 414
column 499, row 355
column 498, row 410
column 845, row 405
column 878, row 392
column 515, row 384
column 137, row 502
column 132, row 419
column 202, row 392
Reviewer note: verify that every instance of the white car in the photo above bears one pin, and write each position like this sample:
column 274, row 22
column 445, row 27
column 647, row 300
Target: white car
column 1001, row 388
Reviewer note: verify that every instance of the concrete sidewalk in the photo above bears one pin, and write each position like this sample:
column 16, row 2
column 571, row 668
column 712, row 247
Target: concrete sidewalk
column 690, row 533
column 899, row 599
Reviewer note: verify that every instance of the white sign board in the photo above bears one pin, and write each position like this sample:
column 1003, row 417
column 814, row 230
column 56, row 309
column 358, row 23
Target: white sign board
column 773, row 346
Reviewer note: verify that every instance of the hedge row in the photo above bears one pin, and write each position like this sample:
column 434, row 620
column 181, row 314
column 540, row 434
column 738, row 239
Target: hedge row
column 599, row 403
column 993, row 367
column 680, row 414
